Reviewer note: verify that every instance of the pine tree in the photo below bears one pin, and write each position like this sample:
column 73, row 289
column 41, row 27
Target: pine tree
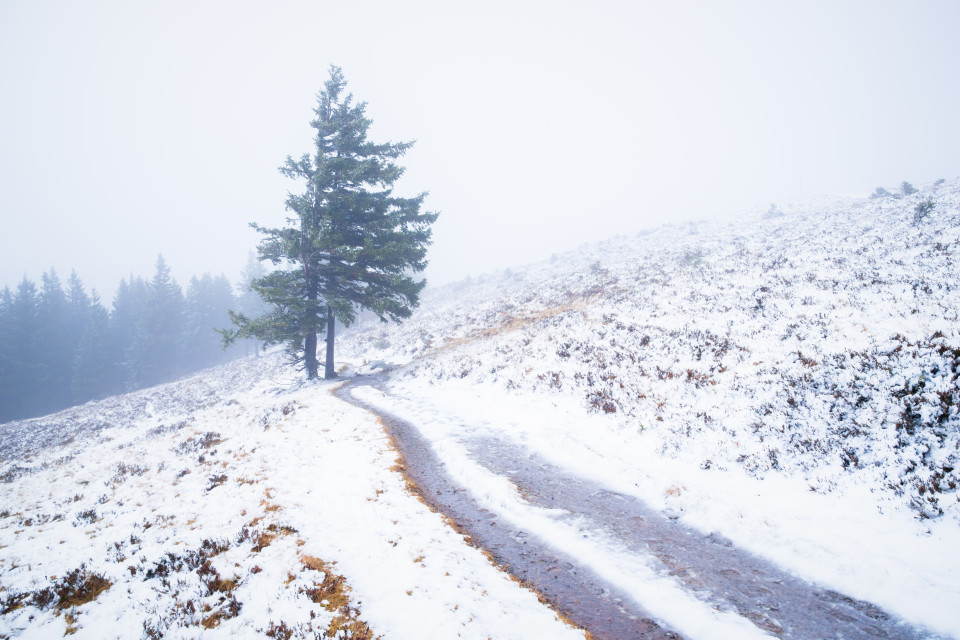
column 7, row 374
column 350, row 243
column 154, row 355
column 95, row 372
column 207, row 302
column 126, row 325
column 123, row 320
column 22, row 338
column 148, row 321
column 55, row 350
column 78, row 308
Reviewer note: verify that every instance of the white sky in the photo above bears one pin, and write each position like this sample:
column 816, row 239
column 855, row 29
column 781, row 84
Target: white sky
column 132, row 128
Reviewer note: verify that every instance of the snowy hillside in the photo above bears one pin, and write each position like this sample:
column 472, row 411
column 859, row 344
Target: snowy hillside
column 789, row 383
column 823, row 343
column 238, row 503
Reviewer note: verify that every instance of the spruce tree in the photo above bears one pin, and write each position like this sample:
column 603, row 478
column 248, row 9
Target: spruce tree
column 95, row 372
column 159, row 341
column 55, row 350
column 78, row 308
column 207, row 301
column 349, row 244
column 23, row 340
column 123, row 321
column 8, row 376
column 154, row 339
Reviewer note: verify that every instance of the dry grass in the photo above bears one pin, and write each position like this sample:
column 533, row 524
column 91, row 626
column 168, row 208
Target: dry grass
column 357, row 629
column 71, row 629
column 509, row 324
column 332, row 591
column 262, row 541
column 75, row 589
column 333, row 594
column 79, row 587
column 313, row 563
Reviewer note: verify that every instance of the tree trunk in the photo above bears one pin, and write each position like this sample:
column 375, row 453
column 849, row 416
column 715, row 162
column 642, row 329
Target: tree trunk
column 310, row 355
column 331, row 329
column 310, row 342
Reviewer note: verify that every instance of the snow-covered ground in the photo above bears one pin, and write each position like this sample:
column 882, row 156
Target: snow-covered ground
column 790, row 382
column 238, row 503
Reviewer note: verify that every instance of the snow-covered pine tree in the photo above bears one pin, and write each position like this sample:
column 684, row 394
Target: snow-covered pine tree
column 349, row 243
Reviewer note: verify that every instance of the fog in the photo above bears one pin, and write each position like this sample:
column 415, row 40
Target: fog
column 132, row 129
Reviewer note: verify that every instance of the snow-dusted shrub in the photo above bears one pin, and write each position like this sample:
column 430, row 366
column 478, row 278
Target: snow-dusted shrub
column 773, row 212
column 928, row 428
column 77, row 588
column 922, row 210
column 781, row 353
column 691, row 257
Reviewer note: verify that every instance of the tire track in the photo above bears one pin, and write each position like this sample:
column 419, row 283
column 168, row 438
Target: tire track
column 708, row 566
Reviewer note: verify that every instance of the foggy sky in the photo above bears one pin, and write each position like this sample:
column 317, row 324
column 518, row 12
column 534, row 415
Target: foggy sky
column 132, row 129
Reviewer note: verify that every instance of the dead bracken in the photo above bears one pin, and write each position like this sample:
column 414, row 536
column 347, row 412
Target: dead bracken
column 75, row 589
column 332, row 593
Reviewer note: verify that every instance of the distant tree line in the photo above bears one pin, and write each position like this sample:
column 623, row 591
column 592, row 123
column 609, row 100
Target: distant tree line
column 59, row 346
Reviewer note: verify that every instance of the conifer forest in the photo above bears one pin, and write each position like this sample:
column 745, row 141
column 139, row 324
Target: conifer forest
column 61, row 345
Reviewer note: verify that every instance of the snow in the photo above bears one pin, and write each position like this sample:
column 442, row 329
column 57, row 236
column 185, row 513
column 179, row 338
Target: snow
column 837, row 539
column 790, row 383
column 279, row 459
column 633, row 574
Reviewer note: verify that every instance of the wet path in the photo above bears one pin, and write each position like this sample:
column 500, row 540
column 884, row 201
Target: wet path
column 569, row 587
column 711, row 566
column 708, row 566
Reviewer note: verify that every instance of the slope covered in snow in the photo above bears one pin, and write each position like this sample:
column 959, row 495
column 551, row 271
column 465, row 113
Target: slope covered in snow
column 790, row 382
column 823, row 342
column 238, row 503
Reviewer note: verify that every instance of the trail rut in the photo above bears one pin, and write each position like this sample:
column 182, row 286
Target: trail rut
column 708, row 566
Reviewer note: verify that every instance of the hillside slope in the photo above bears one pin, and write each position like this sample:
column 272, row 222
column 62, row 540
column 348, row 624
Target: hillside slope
column 241, row 502
column 822, row 344
column 790, row 383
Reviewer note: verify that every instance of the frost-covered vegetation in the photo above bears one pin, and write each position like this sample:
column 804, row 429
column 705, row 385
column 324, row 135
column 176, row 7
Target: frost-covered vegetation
column 816, row 349
column 239, row 502
column 824, row 342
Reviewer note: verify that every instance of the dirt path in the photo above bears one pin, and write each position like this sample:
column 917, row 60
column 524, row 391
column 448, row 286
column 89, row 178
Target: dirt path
column 710, row 567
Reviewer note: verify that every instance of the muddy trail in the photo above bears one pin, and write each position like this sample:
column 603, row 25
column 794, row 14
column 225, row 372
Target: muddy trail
column 708, row 566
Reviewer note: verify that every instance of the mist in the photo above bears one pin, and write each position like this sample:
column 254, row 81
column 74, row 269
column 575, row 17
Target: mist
column 132, row 130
